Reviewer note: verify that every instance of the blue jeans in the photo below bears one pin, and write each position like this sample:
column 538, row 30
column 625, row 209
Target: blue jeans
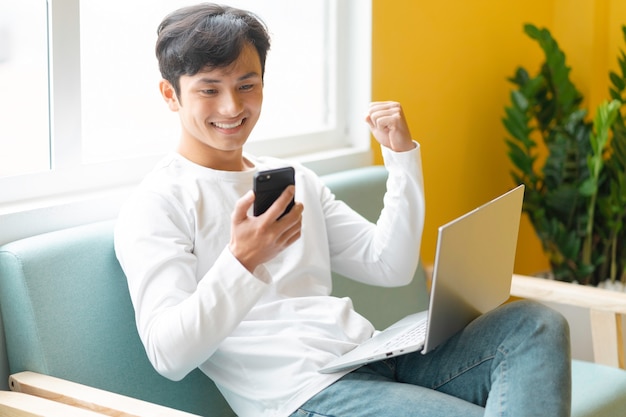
column 513, row 361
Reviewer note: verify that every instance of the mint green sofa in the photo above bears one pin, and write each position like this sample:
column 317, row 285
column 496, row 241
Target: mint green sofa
column 67, row 313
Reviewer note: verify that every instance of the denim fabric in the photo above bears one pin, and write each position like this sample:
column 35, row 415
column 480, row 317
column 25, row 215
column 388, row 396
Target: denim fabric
column 513, row 361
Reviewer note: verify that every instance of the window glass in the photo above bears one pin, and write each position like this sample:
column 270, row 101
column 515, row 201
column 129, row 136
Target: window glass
column 123, row 114
column 24, row 137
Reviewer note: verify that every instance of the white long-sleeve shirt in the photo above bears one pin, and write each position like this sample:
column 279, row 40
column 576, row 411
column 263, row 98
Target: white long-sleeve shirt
column 260, row 337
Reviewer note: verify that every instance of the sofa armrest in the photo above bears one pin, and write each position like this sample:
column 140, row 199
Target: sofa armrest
column 606, row 309
column 17, row 404
column 88, row 398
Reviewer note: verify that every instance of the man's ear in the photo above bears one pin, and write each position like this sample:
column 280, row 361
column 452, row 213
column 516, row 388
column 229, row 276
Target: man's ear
column 169, row 95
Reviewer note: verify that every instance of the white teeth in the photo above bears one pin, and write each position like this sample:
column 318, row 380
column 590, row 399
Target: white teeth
column 228, row 125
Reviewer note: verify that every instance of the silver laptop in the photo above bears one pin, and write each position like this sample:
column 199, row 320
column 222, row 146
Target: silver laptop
column 472, row 275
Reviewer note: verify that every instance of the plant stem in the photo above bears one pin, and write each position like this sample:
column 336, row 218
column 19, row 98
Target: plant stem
column 605, row 116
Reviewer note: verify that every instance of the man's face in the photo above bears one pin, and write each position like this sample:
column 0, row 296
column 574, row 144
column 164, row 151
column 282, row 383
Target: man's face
column 218, row 109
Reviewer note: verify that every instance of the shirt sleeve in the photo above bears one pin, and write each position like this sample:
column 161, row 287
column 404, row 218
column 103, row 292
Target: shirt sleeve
column 385, row 253
column 181, row 318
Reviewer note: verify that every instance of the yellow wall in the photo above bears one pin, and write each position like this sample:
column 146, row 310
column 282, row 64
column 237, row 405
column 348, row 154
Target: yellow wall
column 447, row 63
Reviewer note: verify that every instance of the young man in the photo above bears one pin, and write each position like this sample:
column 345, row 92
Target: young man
column 247, row 299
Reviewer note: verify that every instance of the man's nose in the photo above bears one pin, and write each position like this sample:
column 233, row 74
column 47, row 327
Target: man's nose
column 231, row 104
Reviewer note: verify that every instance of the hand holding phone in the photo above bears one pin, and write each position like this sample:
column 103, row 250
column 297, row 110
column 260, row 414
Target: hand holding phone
column 269, row 185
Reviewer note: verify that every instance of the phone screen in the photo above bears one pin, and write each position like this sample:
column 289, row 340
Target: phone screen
column 269, row 185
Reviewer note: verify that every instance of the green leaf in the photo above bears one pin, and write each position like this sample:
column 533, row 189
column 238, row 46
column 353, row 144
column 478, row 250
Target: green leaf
column 615, row 95
column 520, row 158
column 588, row 187
column 622, row 63
column 520, row 101
column 516, row 130
column 518, row 117
column 617, row 81
column 532, row 30
column 520, row 78
column 533, row 86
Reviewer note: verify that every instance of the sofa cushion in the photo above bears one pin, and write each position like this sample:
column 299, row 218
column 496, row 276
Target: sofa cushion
column 598, row 390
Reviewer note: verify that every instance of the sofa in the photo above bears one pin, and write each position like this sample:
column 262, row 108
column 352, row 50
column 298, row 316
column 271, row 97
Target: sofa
column 71, row 337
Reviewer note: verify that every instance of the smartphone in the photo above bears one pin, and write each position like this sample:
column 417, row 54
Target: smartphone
column 269, row 185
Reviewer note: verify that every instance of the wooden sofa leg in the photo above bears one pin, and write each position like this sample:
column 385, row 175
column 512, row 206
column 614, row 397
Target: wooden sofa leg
column 608, row 342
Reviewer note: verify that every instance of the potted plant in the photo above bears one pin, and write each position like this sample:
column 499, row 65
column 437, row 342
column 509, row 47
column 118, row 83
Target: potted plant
column 574, row 169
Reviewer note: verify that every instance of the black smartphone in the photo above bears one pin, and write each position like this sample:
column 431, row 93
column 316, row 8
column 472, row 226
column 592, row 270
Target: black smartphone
column 269, row 185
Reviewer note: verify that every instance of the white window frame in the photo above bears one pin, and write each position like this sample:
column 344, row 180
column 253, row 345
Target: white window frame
column 72, row 193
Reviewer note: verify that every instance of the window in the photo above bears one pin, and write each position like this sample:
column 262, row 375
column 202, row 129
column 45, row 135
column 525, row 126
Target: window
column 24, row 143
column 84, row 113
column 300, row 87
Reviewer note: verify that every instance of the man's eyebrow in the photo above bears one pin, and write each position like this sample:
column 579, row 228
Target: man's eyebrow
column 247, row 76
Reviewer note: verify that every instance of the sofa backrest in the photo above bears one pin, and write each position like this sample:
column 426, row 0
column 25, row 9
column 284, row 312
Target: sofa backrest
column 67, row 311
column 363, row 190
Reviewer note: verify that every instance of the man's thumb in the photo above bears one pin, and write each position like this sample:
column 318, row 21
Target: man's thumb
column 242, row 206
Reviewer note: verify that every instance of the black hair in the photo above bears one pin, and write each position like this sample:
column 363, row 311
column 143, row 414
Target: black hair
column 207, row 36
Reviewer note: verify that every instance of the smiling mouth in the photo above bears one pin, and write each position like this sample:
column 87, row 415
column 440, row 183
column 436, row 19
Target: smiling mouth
column 220, row 125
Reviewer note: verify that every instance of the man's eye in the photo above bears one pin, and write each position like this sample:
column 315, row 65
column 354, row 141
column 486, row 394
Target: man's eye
column 246, row 87
column 209, row 91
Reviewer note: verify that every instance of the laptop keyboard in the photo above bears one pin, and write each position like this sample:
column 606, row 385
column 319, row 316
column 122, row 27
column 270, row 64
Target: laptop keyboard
column 410, row 337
